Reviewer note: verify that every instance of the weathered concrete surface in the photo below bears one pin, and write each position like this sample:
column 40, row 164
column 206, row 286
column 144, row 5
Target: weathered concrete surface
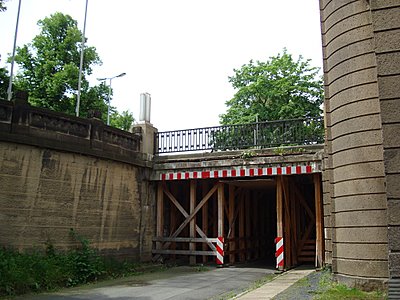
column 44, row 193
column 356, row 183
column 177, row 283
column 214, row 161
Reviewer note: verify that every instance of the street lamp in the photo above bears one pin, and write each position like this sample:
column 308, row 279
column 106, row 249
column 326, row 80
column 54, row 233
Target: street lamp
column 78, row 97
column 109, row 92
column 9, row 90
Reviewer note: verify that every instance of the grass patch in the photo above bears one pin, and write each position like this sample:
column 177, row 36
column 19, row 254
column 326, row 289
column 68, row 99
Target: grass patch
column 328, row 289
column 50, row 270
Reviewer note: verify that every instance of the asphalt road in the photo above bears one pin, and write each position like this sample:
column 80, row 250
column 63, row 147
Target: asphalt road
column 176, row 283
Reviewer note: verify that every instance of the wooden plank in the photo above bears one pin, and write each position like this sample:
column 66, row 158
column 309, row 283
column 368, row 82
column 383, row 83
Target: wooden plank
column 173, row 218
column 318, row 221
column 186, row 215
column 221, row 202
column 241, row 228
column 192, row 225
column 293, row 214
column 160, row 213
column 184, row 240
column 204, row 217
column 183, row 252
column 279, row 209
column 231, row 230
column 183, row 211
column 287, row 223
column 248, row 223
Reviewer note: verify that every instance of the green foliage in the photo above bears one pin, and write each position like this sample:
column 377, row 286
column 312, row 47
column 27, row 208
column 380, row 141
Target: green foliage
column 2, row 5
column 4, row 80
column 122, row 121
column 328, row 289
column 49, row 67
column 37, row 271
column 281, row 88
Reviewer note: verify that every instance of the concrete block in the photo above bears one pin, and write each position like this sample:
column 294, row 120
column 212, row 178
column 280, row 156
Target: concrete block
column 353, row 79
column 392, row 160
column 394, row 238
column 358, row 155
column 390, row 110
column 351, row 94
column 379, row 4
column 329, row 7
column 359, row 187
column 357, row 140
column 387, row 40
column 362, row 234
column 394, row 212
column 367, row 218
column 341, row 24
column 360, row 202
column 356, row 109
column 388, row 63
column 357, row 49
column 366, row 284
column 350, row 66
column 359, row 171
column 360, row 251
column 393, row 186
column 358, row 124
column 346, row 38
column 388, row 87
column 342, row 15
column 391, row 136
column 362, row 268
column 385, row 19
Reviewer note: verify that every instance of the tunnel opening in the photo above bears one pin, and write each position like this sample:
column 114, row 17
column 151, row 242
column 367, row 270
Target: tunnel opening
column 248, row 213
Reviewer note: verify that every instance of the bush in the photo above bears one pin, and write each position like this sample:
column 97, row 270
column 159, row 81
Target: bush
column 37, row 271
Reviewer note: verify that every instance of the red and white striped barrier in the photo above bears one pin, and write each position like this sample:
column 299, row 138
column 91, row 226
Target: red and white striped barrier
column 279, row 252
column 240, row 172
column 220, row 250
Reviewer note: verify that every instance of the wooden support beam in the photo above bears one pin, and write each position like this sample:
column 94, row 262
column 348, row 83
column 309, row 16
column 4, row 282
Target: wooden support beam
column 187, row 216
column 242, row 242
column 318, row 221
column 183, row 252
column 279, row 209
column 192, row 225
column 221, row 203
column 293, row 218
column 160, row 213
column 287, row 223
column 231, row 230
column 204, row 217
column 248, row 224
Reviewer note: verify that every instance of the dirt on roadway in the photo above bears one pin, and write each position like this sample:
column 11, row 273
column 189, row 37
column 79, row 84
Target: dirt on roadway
column 182, row 282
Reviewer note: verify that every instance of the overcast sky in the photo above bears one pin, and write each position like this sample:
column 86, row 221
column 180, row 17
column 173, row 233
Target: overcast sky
column 179, row 51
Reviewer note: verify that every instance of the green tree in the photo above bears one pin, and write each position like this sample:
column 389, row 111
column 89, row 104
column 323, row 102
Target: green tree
column 281, row 88
column 4, row 80
column 122, row 121
column 2, row 5
column 49, row 68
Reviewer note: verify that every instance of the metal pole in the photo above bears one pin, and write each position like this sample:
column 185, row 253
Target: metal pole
column 109, row 100
column 9, row 91
column 78, row 98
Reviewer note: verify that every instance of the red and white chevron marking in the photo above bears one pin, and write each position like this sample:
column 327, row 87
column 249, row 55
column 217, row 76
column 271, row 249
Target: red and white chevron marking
column 242, row 172
column 220, row 250
column 279, row 252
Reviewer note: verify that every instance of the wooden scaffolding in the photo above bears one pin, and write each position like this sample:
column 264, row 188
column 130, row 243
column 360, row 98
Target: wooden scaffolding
column 247, row 214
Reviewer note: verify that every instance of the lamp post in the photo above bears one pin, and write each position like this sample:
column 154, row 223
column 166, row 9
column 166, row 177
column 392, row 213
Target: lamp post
column 109, row 92
column 78, row 97
column 9, row 90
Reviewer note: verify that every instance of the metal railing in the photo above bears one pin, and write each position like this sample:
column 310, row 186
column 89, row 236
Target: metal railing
column 244, row 136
